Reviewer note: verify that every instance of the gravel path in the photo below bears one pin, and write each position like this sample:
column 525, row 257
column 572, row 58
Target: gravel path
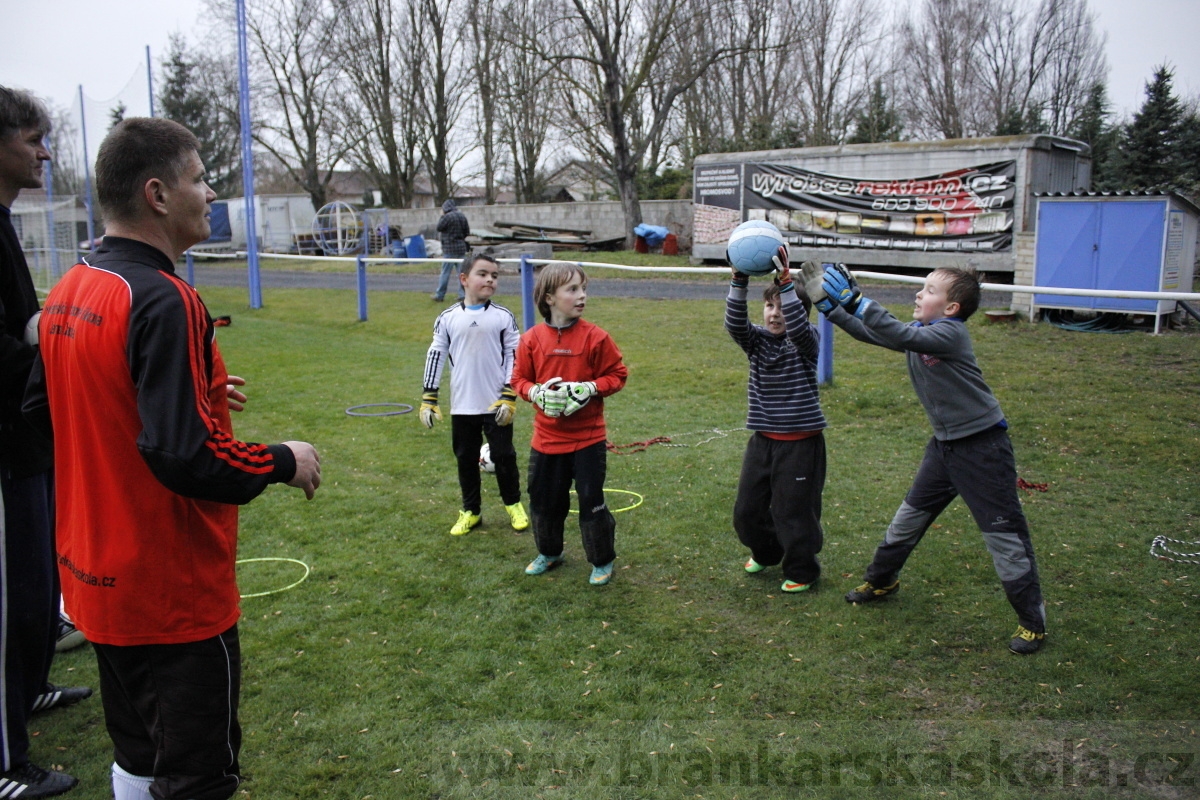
column 682, row 289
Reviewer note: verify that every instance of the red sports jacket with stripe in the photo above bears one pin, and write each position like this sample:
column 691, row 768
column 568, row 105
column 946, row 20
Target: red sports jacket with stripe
column 147, row 470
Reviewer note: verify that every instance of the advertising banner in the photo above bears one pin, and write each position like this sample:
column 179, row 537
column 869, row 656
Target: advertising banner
column 964, row 209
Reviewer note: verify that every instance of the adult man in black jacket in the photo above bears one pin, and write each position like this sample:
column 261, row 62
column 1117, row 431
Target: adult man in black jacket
column 28, row 576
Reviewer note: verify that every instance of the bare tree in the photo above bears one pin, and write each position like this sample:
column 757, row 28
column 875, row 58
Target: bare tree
column 301, row 86
column 834, row 37
column 485, row 21
column 1074, row 62
column 745, row 100
column 615, row 92
column 381, row 71
column 66, row 164
column 940, row 48
column 525, row 84
column 444, row 87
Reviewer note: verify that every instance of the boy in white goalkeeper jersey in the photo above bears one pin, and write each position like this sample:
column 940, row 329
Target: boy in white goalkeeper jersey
column 479, row 338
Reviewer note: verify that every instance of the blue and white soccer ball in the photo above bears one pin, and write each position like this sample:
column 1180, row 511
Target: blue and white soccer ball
column 485, row 458
column 752, row 245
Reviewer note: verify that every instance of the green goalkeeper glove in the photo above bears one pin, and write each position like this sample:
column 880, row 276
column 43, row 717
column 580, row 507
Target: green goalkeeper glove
column 506, row 406
column 549, row 398
column 578, row 395
column 814, row 278
column 430, row 412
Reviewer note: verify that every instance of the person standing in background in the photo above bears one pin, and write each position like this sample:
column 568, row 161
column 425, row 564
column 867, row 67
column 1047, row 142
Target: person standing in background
column 453, row 230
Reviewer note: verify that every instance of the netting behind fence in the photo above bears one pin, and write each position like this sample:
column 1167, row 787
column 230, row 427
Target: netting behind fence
column 47, row 234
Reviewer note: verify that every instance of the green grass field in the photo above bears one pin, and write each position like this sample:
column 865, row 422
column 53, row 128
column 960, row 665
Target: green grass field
column 410, row 664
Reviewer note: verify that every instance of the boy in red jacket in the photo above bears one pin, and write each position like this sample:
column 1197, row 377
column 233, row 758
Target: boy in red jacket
column 565, row 368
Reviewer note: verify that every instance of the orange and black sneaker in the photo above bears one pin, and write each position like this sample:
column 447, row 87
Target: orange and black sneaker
column 869, row 593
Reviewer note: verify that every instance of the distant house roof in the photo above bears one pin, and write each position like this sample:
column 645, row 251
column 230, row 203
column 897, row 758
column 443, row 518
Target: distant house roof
column 583, row 180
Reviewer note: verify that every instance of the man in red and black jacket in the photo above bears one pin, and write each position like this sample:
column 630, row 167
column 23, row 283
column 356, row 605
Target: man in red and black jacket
column 150, row 474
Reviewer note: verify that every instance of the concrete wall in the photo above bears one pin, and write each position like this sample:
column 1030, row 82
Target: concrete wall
column 603, row 218
column 1025, row 250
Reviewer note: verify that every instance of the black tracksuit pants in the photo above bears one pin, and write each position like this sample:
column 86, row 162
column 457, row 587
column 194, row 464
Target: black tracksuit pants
column 550, row 477
column 466, row 433
column 778, row 509
column 982, row 469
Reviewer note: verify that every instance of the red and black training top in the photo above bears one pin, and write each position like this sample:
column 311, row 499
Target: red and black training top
column 148, row 472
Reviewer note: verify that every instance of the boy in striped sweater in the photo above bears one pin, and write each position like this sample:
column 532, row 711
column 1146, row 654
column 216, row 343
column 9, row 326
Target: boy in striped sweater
column 778, row 509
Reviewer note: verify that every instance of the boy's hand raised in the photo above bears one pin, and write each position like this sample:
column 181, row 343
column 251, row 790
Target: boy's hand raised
column 814, row 279
column 782, row 262
column 842, row 287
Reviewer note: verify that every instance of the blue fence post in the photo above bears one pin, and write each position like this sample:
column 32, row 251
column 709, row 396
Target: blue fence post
column 191, row 268
column 527, row 307
column 361, row 264
column 825, row 352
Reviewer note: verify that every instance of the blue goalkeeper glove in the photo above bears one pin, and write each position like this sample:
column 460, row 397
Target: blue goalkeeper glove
column 814, row 280
column 506, row 407
column 841, row 286
column 549, row 398
column 430, row 412
column 578, row 395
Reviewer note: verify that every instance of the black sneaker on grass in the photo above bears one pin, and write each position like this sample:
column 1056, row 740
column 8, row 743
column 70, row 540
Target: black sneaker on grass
column 869, row 593
column 57, row 697
column 29, row 780
column 1025, row 642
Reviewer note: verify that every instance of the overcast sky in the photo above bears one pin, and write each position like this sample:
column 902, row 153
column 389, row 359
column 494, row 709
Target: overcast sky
column 53, row 46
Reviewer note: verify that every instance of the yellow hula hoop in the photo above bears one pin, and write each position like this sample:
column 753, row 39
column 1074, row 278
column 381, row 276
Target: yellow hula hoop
column 640, row 500
column 275, row 591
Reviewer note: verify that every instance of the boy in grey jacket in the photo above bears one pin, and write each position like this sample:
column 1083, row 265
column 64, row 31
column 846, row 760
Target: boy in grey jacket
column 970, row 453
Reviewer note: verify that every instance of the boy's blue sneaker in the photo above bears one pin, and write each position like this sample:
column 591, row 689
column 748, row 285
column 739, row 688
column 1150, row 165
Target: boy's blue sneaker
column 601, row 575
column 753, row 566
column 543, row 564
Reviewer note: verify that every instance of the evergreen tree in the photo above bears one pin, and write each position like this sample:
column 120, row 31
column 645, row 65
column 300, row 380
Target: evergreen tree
column 116, row 113
column 1096, row 129
column 1189, row 152
column 1150, row 153
column 194, row 94
column 879, row 121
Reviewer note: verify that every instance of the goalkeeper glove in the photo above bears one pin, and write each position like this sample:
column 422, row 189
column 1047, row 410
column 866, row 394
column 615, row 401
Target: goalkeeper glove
column 739, row 280
column 781, row 260
column 549, row 399
column 430, row 412
column 814, row 278
column 842, row 287
column 578, row 395
column 506, row 406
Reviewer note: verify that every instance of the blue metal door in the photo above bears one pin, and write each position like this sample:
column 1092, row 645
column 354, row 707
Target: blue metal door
column 1067, row 244
column 1130, row 253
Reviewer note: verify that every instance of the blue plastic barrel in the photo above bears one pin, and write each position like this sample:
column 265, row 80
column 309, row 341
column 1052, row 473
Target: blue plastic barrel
column 415, row 246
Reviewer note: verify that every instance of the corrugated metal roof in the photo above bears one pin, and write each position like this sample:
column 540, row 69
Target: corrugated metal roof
column 1130, row 193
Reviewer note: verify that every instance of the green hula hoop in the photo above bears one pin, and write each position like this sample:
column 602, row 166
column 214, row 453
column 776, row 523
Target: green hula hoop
column 275, row 591
column 640, row 500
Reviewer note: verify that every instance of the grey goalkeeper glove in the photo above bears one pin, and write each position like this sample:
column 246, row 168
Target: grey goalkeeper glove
column 549, row 398
column 578, row 395
column 814, row 278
